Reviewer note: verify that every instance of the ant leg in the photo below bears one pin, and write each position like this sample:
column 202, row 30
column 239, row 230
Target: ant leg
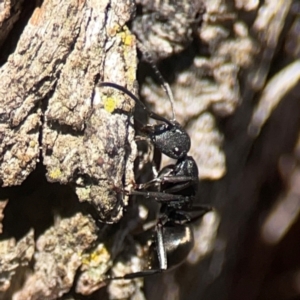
column 144, row 273
column 178, row 179
column 162, row 197
column 162, row 258
column 189, row 215
column 151, row 156
column 156, row 162
column 161, row 251
column 182, row 182
column 179, row 187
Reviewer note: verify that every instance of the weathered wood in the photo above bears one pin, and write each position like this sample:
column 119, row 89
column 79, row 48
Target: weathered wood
column 57, row 126
column 50, row 100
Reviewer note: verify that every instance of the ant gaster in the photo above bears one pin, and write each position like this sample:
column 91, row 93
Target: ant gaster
column 176, row 190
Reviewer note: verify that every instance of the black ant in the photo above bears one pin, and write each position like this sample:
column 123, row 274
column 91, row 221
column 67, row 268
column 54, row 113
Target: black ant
column 177, row 187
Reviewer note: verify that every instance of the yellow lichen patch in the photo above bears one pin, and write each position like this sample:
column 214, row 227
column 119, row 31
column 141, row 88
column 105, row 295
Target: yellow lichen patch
column 98, row 256
column 129, row 53
column 131, row 74
column 55, row 173
column 127, row 38
column 32, row 143
column 109, row 104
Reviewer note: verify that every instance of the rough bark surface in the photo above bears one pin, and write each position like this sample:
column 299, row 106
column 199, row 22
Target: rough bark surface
column 60, row 130
column 67, row 145
column 50, row 99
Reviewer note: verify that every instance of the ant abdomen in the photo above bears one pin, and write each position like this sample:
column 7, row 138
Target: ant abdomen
column 178, row 243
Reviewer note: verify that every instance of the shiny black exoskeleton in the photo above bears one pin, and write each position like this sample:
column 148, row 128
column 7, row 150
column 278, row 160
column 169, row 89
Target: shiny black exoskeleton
column 176, row 187
column 181, row 177
column 174, row 233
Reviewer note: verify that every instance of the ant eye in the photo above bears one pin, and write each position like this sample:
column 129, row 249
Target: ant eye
column 180, row 151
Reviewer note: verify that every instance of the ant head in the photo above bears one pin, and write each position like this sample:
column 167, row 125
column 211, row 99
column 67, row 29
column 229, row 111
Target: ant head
column 170, row 138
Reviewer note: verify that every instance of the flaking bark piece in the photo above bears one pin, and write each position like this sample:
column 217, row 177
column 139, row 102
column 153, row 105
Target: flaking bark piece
column 59, row 253
column 19, row 150
column 26, row 79
column 87, row 134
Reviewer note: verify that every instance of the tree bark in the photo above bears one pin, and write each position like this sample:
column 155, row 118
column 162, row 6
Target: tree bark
column 67, row 145
column 58, row 130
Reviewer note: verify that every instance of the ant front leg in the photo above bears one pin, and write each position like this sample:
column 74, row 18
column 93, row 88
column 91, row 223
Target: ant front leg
column 179, row 183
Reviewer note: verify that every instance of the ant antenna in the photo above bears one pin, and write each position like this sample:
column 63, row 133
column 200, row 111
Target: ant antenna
column 163, row 83
column 150, row 113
